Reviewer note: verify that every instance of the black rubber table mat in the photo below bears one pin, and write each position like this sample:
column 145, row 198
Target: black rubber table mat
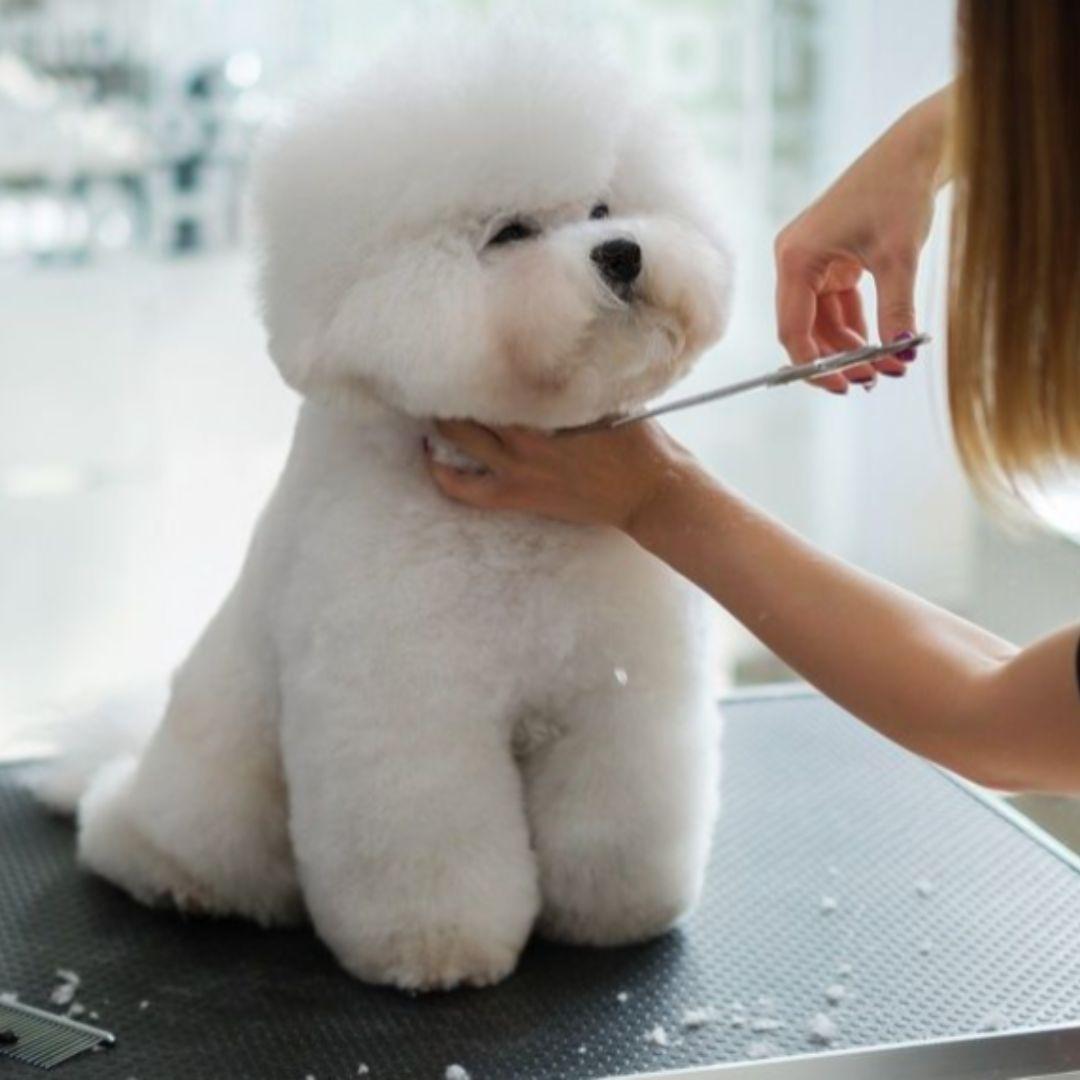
column 839, row 860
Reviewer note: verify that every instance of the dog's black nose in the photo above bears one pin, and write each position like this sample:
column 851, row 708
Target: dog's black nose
column 619, row 260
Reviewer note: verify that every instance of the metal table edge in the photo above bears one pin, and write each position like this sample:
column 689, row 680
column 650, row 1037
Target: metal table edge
column 1023, row 1054
column 993, row 800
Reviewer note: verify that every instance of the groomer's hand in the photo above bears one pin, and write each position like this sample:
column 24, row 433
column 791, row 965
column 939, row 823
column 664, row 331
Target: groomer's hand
column 874, row 219
column 601, row 478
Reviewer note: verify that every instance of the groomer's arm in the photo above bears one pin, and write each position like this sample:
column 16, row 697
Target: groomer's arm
column 920, row 675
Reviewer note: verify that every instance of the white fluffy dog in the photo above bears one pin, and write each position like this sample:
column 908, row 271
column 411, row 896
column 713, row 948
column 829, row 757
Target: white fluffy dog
column 429, row 728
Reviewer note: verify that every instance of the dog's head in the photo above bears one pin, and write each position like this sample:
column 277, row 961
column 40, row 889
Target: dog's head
column 489, row 225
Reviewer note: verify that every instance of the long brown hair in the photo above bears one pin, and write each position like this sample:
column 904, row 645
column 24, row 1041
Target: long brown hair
column 1014, row 279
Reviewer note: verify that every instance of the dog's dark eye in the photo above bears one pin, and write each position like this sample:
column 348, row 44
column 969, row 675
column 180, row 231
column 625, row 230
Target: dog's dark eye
column 600, row 210
column 514, row 231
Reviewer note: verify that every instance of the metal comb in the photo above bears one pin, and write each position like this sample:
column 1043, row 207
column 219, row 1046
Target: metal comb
column 42, row 1038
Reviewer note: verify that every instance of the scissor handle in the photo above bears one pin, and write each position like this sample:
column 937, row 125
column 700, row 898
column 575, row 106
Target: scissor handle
column 826, row 365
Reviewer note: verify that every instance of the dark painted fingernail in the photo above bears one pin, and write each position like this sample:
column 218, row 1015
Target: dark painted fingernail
column 426, row 444
column 908, row 354
column 894, row 374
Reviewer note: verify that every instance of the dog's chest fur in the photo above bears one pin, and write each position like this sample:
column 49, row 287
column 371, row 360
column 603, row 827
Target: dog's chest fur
column 534, row 728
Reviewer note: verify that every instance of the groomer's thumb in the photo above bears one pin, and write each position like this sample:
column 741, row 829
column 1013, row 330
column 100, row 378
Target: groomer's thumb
column 895, row 284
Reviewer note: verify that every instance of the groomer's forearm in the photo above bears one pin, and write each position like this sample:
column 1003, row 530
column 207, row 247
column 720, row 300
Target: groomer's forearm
column 918, row 674
column 926, row 127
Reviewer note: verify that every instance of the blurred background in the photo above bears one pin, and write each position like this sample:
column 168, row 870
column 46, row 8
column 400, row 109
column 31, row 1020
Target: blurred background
column 141, row 424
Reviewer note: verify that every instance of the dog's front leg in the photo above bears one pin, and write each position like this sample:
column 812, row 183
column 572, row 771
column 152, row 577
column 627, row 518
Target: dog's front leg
column 408, row 823
column 622, row 809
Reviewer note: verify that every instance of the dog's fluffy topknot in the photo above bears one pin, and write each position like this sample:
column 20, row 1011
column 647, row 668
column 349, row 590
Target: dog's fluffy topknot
column 375, row 205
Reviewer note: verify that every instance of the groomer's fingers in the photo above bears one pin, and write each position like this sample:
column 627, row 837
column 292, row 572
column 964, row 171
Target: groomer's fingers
column 833, row 329
column 482, row 490
column 796, row 308
column 796, row 313
column 852, row 307
column 894, row 279
column 480, row 443
column 524, row 441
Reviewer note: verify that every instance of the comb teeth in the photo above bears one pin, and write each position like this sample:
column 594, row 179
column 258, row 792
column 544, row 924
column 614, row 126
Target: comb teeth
column 45, row 1039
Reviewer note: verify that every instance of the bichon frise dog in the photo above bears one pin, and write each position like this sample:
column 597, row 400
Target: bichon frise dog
column 427, row 728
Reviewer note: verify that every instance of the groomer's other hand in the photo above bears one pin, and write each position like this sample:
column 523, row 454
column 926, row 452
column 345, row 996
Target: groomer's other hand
column 874, row 219
column 600, row 478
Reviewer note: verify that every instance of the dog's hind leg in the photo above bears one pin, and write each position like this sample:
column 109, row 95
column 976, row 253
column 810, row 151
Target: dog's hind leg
column 112, row 844
column 199, row 819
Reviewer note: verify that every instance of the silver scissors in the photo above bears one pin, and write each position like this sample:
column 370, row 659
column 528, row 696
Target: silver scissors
column 789, row 373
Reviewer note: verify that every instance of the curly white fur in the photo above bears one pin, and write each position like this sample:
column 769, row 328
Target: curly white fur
column 431, row 729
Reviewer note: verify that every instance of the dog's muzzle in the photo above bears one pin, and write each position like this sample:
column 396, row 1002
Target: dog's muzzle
column 619, row 263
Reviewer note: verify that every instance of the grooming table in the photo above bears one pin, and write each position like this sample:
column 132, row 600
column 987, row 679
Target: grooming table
column 839, row 859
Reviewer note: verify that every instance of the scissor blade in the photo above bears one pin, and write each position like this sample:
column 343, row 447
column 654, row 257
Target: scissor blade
column 789, row 373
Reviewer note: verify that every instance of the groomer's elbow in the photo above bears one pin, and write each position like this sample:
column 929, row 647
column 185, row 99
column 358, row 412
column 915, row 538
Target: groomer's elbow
column 1002, row 767
column 985, row 745
column 986, row 767
column 999, row 746
column 996, row 776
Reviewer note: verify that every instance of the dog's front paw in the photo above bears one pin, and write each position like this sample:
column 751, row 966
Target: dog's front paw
column 437, row 957
column 614, row 896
